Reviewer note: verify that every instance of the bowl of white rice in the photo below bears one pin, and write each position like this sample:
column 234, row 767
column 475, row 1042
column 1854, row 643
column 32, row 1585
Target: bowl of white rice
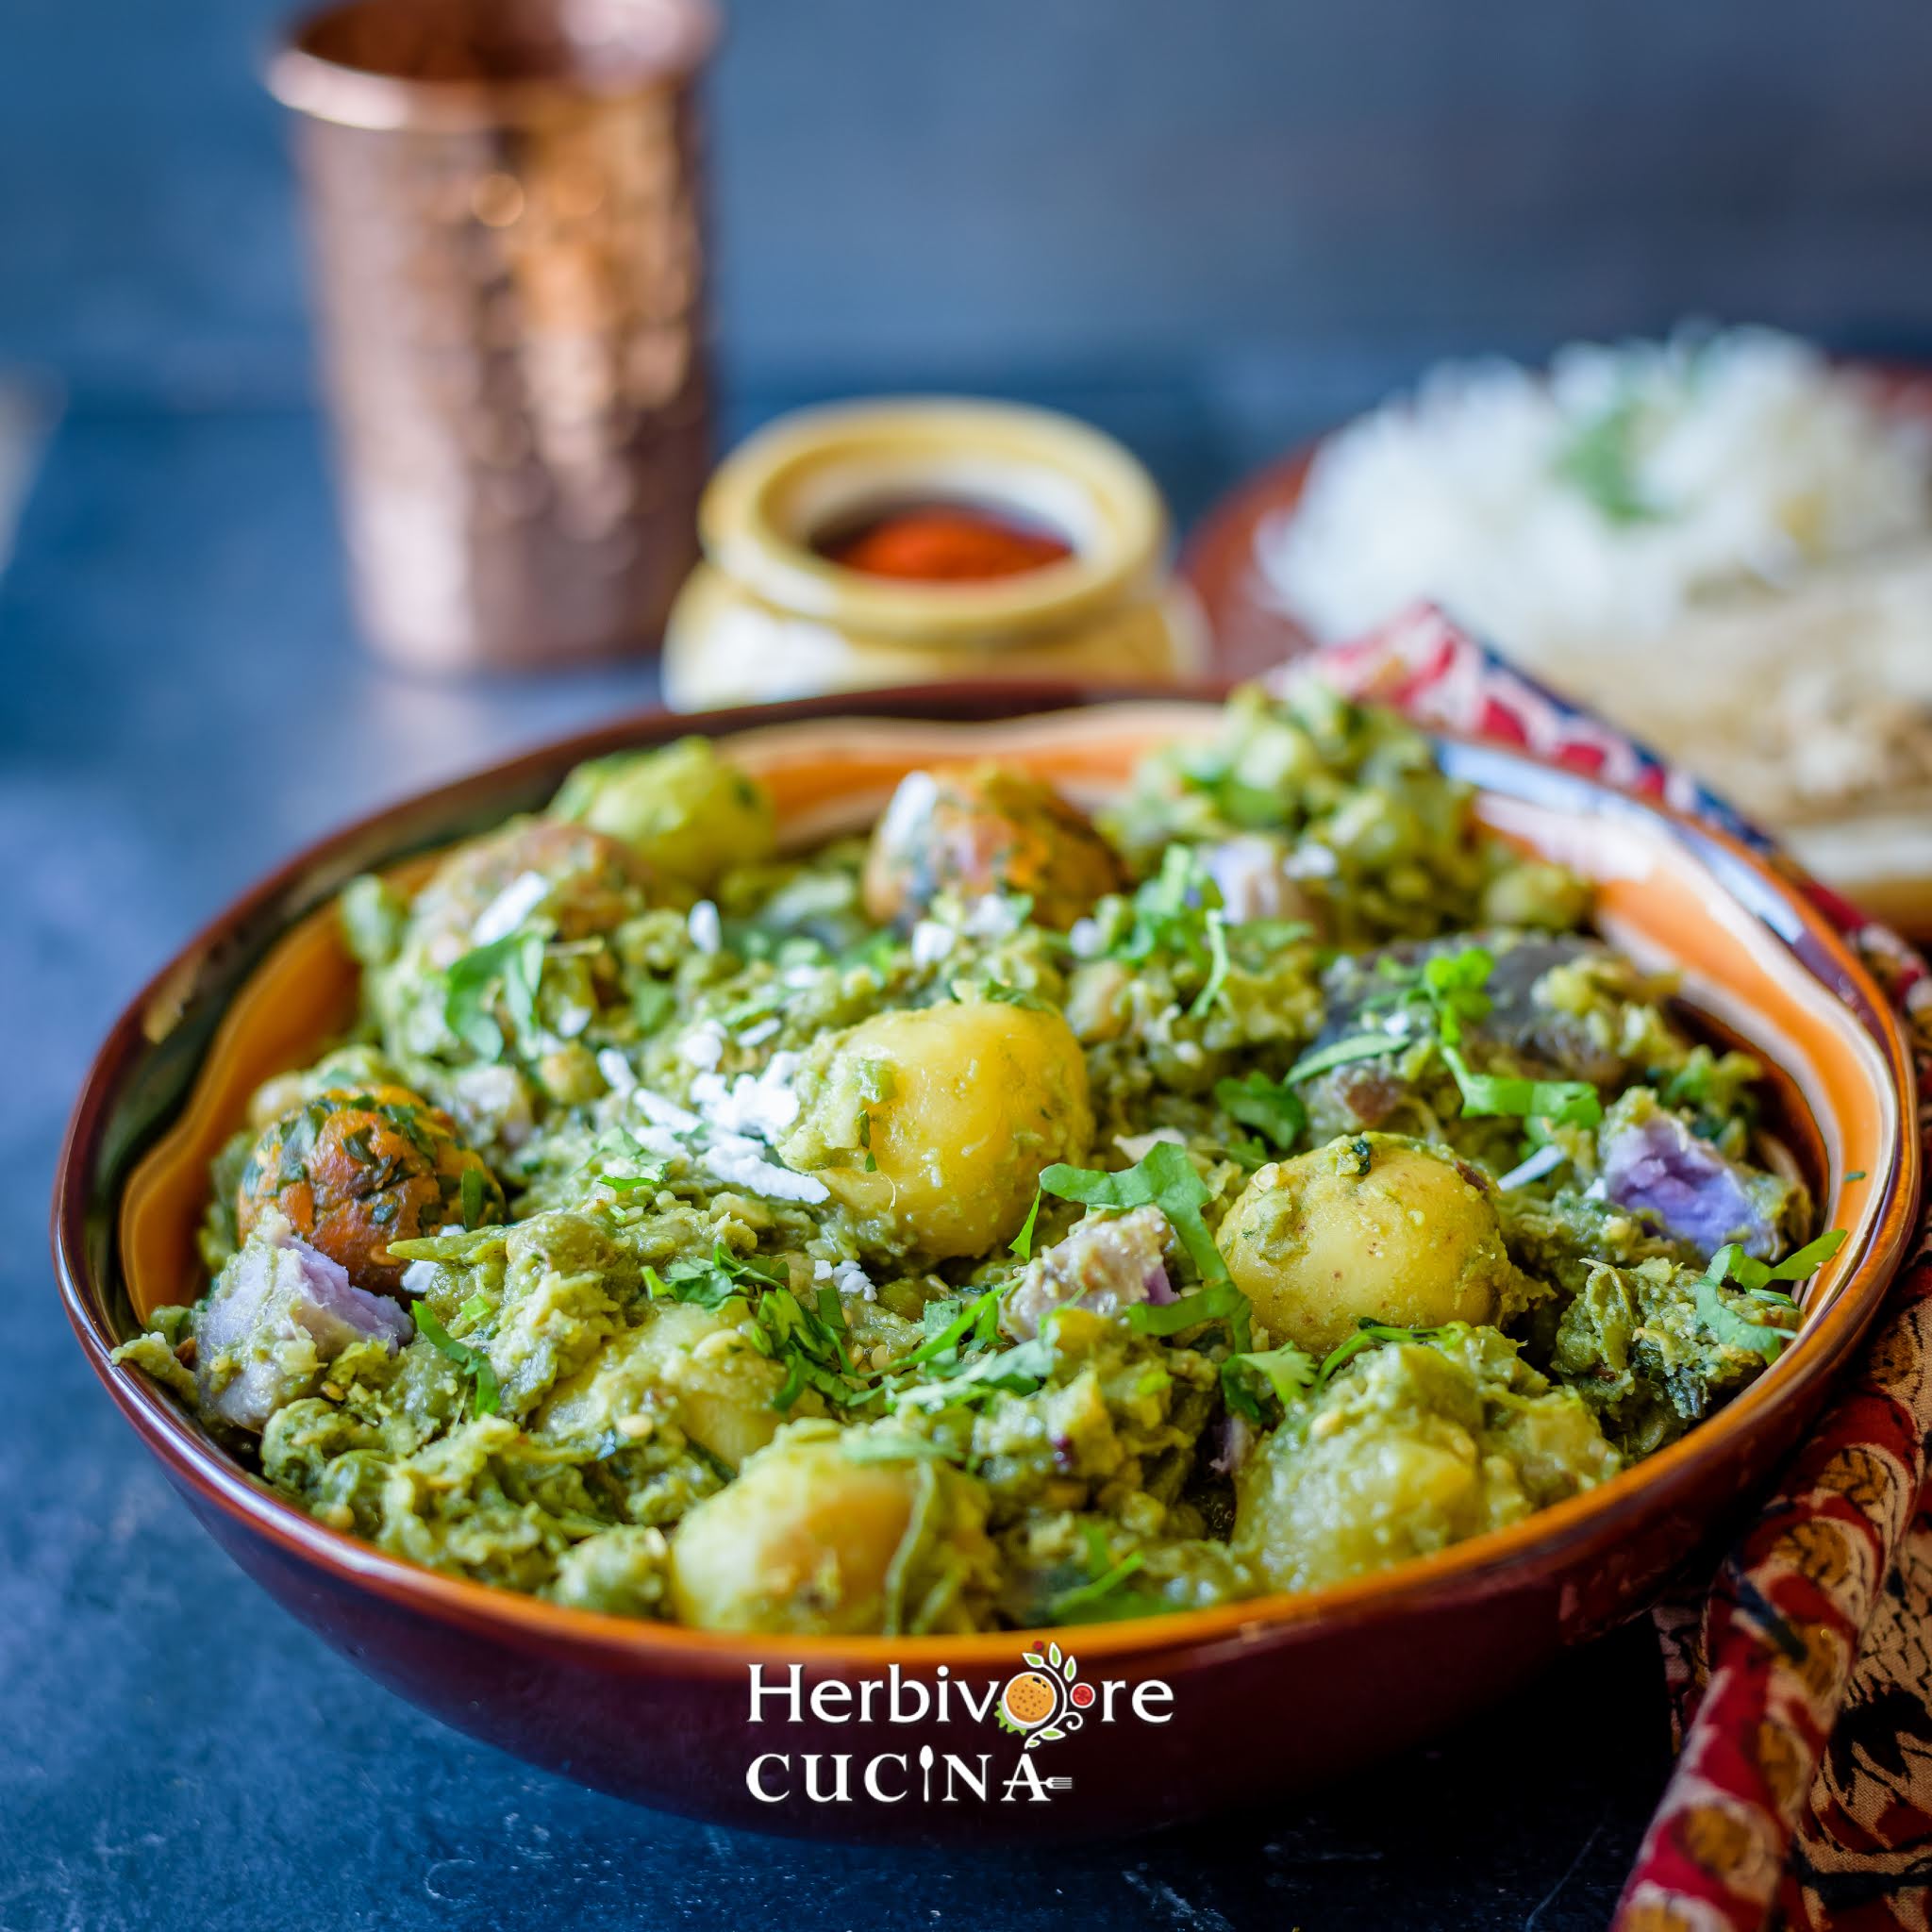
column 1722, row 543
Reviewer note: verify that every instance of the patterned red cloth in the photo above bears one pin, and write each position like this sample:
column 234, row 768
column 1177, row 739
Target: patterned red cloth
column 1801, row 1681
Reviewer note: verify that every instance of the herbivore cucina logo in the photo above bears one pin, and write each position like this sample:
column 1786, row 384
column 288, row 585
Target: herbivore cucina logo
column 1046, row 1701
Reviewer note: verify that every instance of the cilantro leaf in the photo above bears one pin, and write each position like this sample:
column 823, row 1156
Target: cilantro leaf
column 1751, row 1275
column 977, row 1318
column 1358, row 1046
column 1269, row 1106
column 1568, row 1103
column 486, row 1398
column 1022, row 1243
column 1086, row 1598
column 1454, row 985
column 1018, row 1371
column 1731, row 1263
column 1732, row 1329
column 1163, row 1178
column 515, row 961
column 1223, row 1302
column 1284, row 1373
column 1600, row 463
column 1216, row 929
column 1368, row 1334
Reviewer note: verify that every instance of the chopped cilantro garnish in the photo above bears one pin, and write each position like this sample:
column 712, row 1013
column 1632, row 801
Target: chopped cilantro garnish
column 1368, row 1334
column 1164, row 1178
column 1755, row 1277
column 1284, row 1373
column 1600, row 463
column 1568, row 1103
column 1017, row 1371
column 1022, row 1243
column 1358, row 1046
column 517, row 963
column 978, row 1317
column 653, row 1176
column 1752, row 1275
column 1271, row 1107
column 652, row 1002
column 1104, row 1581
column 1732, row 1329
column 1223, row 1301
column 1215, row 927
column 485, row 1397
column 1455, row 986
column 1179, row 912
column 1449, row 992
column 808, row 1342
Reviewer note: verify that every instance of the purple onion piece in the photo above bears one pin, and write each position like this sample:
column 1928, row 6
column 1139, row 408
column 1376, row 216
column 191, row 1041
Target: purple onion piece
column 1656, row 1166
column 1237, row 1440
column 1103, row 1265
column 276, row 1309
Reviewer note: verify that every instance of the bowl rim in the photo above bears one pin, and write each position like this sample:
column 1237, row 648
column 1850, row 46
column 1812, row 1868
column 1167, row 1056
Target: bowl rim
column 1538, row 1545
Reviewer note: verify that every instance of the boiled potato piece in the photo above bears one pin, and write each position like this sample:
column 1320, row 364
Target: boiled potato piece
column 812, row 1539
column 1412, row 1448
column 1372, row 1226
column 683, row 810
column 932, row 1125
column 684, row 1359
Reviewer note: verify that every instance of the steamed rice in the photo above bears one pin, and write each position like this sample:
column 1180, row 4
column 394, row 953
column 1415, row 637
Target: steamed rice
column 1724, row 542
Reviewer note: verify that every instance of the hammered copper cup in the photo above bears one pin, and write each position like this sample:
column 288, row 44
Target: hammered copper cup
column 504, row 210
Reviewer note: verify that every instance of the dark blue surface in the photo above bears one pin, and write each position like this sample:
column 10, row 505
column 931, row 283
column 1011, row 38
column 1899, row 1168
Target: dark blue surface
column 177, row 1754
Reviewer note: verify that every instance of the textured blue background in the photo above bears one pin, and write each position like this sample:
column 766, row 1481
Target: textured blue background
column 1211, row 228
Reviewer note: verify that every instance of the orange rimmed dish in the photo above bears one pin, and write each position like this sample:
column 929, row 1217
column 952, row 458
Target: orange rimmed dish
column 1265, row 1693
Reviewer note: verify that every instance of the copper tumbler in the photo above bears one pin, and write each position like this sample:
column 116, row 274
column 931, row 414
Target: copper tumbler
column 505, row 221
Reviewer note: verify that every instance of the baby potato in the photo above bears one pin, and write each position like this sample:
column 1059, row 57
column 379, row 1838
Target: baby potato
column 973, row 829
column 932, row 1125
column 1372, row 1226
column 720, row 1392
column 591, row 883
column 356, row 1167
column 683, row 810
column 811, row 1540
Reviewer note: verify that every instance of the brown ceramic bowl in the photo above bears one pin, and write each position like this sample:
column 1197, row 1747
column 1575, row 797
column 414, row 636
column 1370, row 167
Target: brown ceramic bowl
column 1260, row 1697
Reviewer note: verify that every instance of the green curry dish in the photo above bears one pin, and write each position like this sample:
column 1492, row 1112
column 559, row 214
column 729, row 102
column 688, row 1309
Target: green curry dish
column 996, row 1221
